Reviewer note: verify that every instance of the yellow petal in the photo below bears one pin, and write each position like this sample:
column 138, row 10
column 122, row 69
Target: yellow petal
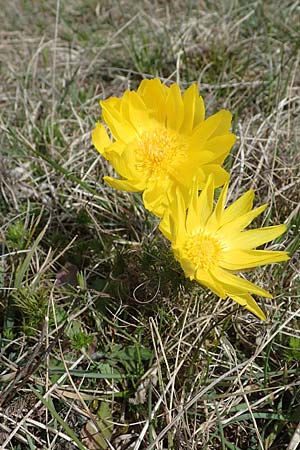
column 184, row 173
column 112, row 102
column 219, row 174
column 194, row 110
column 147, row 88
column 215, row 220
column 100, row 138
column 177, row 209
column 124, row 185
column 175, row 109
column 219, row 123
column 119, row 127
column 204, row 277
column 124, row 163
column 219, row 208
column 237, row 223
column 155, row 196
column 165, row 225
column 240, row 207
column 235, row 285
column 192, row 218
column 117, row 147
column 202, row 157
column 136, row 112
column 205, row 202
column 254, row 238
column 220, row 147
column 154, row 94
column 187, row 266
column 237, row 259
column 249, row 303
column 124, row 106
column 224, row 124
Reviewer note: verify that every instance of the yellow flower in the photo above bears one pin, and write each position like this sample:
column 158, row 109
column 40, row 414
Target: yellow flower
column 162, row 140
column 211, row 244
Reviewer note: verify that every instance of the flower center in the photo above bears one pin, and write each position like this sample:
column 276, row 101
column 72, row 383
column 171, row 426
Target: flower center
column 159, row 150
column 203, row 250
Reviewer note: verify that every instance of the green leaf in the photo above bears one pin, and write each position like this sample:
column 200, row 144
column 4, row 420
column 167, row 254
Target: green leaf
column 98, row 432
column 49, row 405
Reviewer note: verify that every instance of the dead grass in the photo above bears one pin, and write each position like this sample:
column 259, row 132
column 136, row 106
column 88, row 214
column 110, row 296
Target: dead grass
column 104, row 344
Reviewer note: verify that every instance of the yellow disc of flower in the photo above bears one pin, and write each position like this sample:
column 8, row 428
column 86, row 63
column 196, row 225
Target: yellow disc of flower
column 161, row 140
column 212, row 246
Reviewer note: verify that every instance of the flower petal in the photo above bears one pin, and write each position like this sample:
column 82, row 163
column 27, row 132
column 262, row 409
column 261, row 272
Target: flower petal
column 117, row 147
column 200, row 209
column 220, row 147
column 204, row 277
column 187, row 266
column 240, row 259
column 215, row 220
column 192, row 166
column 154, row 95
column 100, row 138
column 192, row 218
column 119, row 127
column 249, row 303
column 224, row 124
column 254, row 238
column 219, row 174
column 134, row 110
column 175, row 109
column 234, row 285
column 124, row 163
column 239, row 223
column 123, row 185
column 173, row 224
column 194, row 109
column 165, row 225
column 217, row 124
column 155, row 196
column 238, row 208
column 205, row 203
